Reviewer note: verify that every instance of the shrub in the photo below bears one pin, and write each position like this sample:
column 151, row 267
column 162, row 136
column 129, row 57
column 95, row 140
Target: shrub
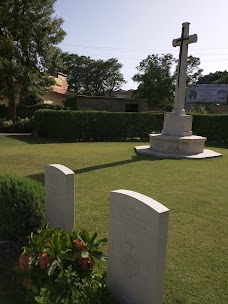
column 21, row 125
column 24, row 125
column 200, row 109
column 57, row 267
column 21, row 206
column 28, row 111
column 6, row 125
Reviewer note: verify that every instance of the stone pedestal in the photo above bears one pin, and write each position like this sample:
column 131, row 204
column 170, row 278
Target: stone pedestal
column 185, row 145
column 177, row 125
column 176, row 140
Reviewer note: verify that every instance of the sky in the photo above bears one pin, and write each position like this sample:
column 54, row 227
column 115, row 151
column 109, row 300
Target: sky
column 130, row 30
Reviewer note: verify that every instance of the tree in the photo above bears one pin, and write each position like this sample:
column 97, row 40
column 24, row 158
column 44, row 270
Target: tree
column 219, row 77
column 156, row 82
column 92, row 77
column 29, row 34
column 193, row 70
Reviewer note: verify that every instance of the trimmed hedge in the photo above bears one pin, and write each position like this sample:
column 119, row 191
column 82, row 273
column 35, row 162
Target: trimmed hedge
column 212, row 126
column 105, row 126
column 92, row 125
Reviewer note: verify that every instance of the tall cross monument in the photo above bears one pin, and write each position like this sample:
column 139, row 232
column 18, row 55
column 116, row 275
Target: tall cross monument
column 178, row 123
column 182, row 67
column 176, row 139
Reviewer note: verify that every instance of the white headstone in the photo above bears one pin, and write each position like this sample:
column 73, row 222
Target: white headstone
column 59, row 197
column 137, row 241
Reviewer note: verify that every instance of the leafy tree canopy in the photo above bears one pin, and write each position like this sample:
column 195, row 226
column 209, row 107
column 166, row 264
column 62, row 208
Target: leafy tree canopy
column 219, row 77
column 29, row 33
column 157, row 76
column 193, row 70
column 92, row 77
column 155, row 80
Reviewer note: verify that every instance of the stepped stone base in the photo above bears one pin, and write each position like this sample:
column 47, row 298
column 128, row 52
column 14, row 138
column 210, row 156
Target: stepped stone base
column 165, row 146
column 186, row 145
column 147, row 151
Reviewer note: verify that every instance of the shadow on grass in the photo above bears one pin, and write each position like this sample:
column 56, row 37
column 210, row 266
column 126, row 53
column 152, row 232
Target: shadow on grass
column 216, row 145
column 30, row 139
column 40, row 177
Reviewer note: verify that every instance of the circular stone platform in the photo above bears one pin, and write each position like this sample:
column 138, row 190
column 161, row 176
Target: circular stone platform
column 146, row 150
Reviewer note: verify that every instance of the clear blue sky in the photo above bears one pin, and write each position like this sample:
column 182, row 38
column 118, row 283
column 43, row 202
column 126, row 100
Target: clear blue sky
column 130, row 30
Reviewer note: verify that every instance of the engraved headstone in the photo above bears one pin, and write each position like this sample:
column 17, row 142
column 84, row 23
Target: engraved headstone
column 138, row 231
column 59, row 197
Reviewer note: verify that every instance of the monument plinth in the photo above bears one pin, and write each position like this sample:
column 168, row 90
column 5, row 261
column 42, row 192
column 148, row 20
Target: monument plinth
column 176, row 139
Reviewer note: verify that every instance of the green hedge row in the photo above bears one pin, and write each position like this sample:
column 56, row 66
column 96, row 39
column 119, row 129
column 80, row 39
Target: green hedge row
column 99, row 126
column 104, row 126
column 212, row 126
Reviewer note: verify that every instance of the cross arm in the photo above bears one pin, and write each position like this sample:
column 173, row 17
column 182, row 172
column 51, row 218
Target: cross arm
column 190, row 39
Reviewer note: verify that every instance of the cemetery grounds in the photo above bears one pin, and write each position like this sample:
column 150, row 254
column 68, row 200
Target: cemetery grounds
column 195, row 191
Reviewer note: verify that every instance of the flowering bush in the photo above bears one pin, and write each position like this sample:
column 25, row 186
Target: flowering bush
column 53, row 259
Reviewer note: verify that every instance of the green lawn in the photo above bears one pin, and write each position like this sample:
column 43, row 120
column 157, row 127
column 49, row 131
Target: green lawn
column 195, row 191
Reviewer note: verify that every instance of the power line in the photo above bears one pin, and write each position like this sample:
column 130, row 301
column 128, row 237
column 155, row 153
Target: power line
column 136, row 50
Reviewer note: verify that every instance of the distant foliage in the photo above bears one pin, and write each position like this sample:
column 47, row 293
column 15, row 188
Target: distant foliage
column 29, row 34
column 21, row 206
column 87, row 76
column 71, row 103
column 156, row 79
column 106, row 126
column 22, row 125
column 201, row 109
column 219, row 77
column 3, row 111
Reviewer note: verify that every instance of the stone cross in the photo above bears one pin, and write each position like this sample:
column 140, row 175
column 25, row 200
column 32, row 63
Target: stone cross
column 182, row 68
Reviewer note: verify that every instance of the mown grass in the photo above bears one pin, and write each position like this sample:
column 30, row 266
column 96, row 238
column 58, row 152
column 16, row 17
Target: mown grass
column 195, row 191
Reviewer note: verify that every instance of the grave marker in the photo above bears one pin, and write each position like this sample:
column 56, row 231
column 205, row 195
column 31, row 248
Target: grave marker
column 59, row 197
column 137, row 241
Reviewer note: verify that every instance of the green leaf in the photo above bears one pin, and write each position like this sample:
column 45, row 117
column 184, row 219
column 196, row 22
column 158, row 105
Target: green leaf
column 100, row 243
column 85, row 254
column 99, row 255
column 53, row 267
column 93, row 239
column 86, row 236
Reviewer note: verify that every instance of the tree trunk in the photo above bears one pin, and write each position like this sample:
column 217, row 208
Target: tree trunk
column 12, row 102
column 12, row 109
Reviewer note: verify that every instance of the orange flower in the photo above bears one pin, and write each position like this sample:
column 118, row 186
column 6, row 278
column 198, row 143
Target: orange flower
column 24, row 261
column 79, row 245
column 85, row 263
column 27, row 283
column 44, row 259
